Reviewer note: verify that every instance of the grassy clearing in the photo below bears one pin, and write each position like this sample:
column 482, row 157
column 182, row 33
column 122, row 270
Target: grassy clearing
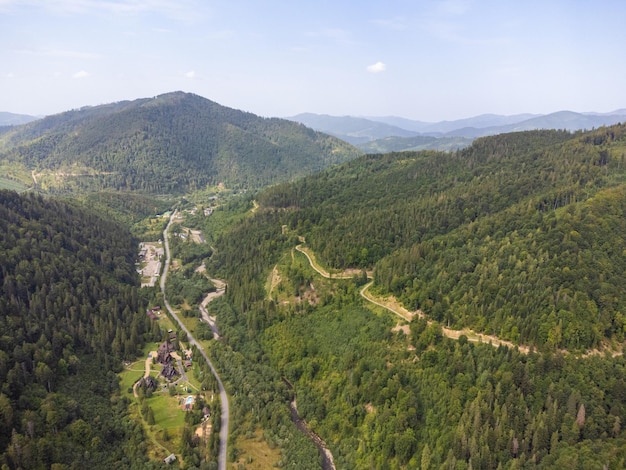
column 165, row 323
column 255, row 453
column 150, row 229
column 135, row 371
column 12, row 185
column 15, row 173
column 129, row 376
column 168, row 414
column 190, row 322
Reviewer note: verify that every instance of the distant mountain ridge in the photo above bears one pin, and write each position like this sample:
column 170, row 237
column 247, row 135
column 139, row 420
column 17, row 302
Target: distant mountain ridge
column 392, row 135
column 12, row 119
column 172, row 143
column 431, row 128
column 354, row 130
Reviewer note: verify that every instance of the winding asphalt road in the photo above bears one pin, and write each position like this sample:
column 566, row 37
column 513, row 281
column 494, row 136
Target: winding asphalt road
column 192, row 341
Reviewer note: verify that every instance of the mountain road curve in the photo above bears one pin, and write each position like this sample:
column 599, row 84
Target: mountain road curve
column 225, row 417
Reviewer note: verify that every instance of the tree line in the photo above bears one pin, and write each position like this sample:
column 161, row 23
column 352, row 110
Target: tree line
column 70, row 312
column 519, row 235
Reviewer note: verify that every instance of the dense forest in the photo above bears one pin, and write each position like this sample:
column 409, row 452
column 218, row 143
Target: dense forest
column 519, row 236
column 388, row 401
column 421, row 142
column 70, row 312
column 513, row 233
column 173, row 143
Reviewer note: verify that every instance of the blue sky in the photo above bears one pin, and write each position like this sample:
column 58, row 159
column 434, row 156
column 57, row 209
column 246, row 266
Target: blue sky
column 429, row 60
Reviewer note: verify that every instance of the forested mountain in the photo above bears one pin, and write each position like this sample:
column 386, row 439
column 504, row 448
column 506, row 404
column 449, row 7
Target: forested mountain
column 519, row 236
column 478, row 122
column 175, row 142
column 464, row 236
column 420, row 142
column 69, row 313
column 351, row 129
column 491, row 124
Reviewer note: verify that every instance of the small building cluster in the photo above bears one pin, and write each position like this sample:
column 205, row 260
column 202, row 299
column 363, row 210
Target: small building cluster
column 149, row 262
column 154, row 312
column 165, row 358
column 148, row 383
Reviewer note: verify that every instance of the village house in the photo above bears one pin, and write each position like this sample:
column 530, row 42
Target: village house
column 165, row 358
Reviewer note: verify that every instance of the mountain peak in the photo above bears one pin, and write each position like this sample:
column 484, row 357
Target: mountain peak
column 170, row 143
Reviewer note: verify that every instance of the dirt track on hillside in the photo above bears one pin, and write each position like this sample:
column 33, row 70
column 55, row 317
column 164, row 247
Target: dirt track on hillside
column 391, row 303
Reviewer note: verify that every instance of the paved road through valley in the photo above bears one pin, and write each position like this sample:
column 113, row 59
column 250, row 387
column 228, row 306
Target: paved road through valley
column 192, row 341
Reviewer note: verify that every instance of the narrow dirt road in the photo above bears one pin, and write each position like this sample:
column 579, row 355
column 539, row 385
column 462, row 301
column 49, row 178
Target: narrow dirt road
column 148, row 365
column 390, row 303
column 220, row 290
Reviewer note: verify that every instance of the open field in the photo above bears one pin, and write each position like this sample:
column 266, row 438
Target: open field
column 168, row 414
column 13, row 185
column 255, row 453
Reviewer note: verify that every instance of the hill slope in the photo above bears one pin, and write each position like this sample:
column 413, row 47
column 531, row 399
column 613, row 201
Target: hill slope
column 351, row 129
column 171, row 143
column 520, row 235
column 69, row 313
column 524, row 201
column 420, row 142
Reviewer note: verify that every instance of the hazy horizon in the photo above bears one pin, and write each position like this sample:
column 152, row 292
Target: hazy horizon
column 342, row 115
column 430, row 61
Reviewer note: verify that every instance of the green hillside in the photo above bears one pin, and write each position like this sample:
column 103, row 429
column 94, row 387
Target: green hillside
column 172, row 143
column 69, row 313
column 380, row 203
column 519, row 236
column 422, row 142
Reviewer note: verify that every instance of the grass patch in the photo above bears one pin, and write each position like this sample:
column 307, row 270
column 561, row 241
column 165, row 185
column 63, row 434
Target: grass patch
column 150, row 228
column 166, row 323
column 168, row 414
column 12, row 185
column 129, row 376
column 255, row 453
column 135, row 370
column 190, row 322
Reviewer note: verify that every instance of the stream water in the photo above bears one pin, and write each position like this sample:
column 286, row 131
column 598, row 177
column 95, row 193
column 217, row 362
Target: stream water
column 327, row 457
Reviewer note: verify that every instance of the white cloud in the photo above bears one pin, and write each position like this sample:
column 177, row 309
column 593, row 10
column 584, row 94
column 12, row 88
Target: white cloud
column 81, row 74
column 377, row 67
column 191, row 74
